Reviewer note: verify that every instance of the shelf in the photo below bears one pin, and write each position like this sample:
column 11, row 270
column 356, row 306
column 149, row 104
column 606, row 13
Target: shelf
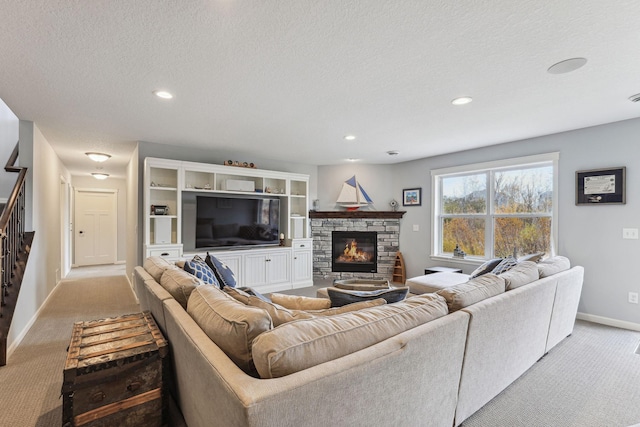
column 163, row 216
column 163, row 188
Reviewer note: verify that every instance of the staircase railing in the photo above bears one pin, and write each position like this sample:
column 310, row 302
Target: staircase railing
column 14, row 246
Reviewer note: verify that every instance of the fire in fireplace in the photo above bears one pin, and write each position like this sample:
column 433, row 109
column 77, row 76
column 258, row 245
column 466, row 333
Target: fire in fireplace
column 354, row 251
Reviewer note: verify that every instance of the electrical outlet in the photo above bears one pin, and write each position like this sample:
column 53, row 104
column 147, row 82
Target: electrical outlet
column 633, row 297
column 630, row 233
column 416, row 227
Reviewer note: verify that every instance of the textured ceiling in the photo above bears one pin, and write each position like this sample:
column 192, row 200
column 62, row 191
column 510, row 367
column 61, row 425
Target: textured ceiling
column 288, row 79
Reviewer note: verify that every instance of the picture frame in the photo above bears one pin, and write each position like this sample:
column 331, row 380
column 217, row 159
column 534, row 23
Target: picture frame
column 601, row 186
column 412, row 197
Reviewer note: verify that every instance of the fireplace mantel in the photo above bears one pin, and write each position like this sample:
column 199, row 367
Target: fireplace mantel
column 356, row 214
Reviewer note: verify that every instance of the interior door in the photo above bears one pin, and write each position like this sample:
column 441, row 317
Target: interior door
column 95, row 227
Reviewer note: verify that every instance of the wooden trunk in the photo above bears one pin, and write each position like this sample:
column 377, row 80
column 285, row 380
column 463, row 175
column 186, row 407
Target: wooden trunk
column 115, row 373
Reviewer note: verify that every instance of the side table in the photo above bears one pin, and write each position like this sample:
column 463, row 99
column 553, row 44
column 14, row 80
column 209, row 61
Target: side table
column 431, row 270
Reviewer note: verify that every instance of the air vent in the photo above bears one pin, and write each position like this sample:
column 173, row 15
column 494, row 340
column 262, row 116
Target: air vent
column 635, row 98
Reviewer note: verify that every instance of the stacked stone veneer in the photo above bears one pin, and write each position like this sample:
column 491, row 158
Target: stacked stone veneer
column 388, row 230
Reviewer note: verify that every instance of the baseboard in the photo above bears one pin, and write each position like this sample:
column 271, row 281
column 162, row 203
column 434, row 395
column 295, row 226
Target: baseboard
column 608, row 321
column 120, row 262
column 28, row 326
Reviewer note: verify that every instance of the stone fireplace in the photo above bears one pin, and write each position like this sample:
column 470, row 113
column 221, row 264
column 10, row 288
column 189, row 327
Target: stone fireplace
column 354, row 251
column 381, row 233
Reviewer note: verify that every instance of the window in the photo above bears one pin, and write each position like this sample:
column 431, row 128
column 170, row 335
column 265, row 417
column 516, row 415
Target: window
column 496, row 209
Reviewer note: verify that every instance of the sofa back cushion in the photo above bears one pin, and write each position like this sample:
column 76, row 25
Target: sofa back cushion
column 473, row 291
column 300, row 302
column 550, row 266
column 179, row 284
column 155, row 266
column 231, row 325
column 299, row 345
column 523, row 273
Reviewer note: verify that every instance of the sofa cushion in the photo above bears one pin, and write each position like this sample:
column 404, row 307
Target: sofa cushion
column 523, row 273
column 486, row 267
column 155, row 266
column 473, row 291
column 296, row 346
column 300, row 302
column 179, row 284
column 237, row 294
column 279, row 314
column 223, row 273
column 550, row 266
column 340, row 297
column 505, row 265
column 231, row 325
column 201, row 270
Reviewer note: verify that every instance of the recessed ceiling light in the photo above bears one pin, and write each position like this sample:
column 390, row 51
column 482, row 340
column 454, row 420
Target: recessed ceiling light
column 100, row 175
column 462, row 100
column 567, row 66
column 352, row 160
column 98, row 157
column 350, row 137
column 162, row 94
column 393, row 152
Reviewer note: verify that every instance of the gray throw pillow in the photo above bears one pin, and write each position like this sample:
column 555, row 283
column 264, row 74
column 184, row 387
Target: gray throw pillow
column 485, row 268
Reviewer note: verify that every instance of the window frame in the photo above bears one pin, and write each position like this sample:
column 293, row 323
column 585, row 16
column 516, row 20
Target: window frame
column 489, row 168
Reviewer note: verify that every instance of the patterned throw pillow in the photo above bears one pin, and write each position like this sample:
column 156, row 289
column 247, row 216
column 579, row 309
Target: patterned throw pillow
column 505, row 265
column 485, row 268
column 223, row 273
column 199, row 268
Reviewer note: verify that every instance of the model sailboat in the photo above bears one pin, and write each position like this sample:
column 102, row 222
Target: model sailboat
column 352, row 196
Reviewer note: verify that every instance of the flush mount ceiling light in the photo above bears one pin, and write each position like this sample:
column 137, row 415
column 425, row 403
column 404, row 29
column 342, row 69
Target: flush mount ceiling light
column 567, row 66
column 350, row 137
column 98, row 157
column 352, row 160
column 100, row 175
column 462, row 100
column 162, row 94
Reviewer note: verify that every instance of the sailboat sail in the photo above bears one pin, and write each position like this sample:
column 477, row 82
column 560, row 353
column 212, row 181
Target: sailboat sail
column 353, row 195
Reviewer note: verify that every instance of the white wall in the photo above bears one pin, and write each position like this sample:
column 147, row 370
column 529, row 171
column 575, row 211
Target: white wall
column 9, row 125
column 120, row 185
column 590, row 236
column 43, row 194
column 132, row 215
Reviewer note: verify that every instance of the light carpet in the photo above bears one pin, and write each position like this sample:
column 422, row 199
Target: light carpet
column 30, row 383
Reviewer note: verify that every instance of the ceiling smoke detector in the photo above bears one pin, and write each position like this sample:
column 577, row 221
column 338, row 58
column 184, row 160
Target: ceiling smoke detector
column 635, row 98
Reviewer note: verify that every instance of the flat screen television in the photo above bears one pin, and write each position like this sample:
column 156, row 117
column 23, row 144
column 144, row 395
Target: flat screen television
column 223, row 222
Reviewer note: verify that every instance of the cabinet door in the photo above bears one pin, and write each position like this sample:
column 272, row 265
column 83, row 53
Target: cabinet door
column 302, row 268
column 278, row 269
column 255, row 269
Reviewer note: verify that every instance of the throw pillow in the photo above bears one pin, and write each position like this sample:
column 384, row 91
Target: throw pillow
column 299, row 302
column 340, row 297
column 199, row 268
column 537, row 257
column 485, row 268
column 223, row 273
column 231, row 325
column 299, row 345
column 505, row 265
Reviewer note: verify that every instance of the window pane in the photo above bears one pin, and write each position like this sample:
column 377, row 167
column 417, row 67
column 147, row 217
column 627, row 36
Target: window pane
column 464, row 194
column 524, row 190
column 468, row 233
column 525, row 235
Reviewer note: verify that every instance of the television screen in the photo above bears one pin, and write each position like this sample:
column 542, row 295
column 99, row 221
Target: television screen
column 228, row 222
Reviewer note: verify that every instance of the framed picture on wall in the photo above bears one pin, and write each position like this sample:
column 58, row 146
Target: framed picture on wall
column 412, row 197
column 601, row 186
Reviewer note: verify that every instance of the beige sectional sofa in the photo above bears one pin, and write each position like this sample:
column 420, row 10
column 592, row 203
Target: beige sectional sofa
column 433, row 371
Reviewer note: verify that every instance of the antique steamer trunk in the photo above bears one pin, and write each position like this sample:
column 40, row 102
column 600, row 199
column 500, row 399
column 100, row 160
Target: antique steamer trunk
column 115, row 372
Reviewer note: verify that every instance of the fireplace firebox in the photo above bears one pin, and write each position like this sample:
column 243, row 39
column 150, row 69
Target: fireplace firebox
column 354, row 251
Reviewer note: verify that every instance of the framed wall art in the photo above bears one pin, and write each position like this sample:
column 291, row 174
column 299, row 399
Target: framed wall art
column 601, row 186
column 412, row 197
